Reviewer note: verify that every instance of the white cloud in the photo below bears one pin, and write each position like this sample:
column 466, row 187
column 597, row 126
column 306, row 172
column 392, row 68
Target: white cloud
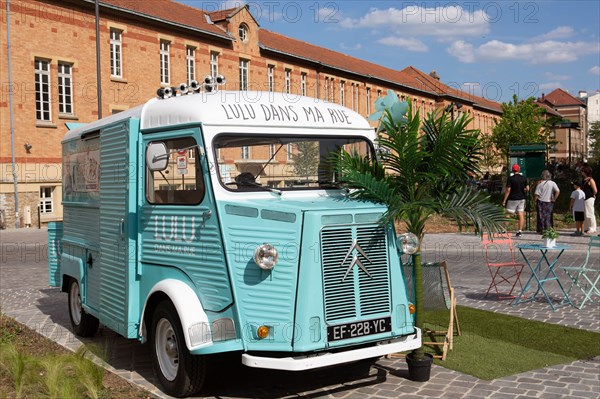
column 445, row 23
column 595, row 70
column 562, row 32
column 552, row 52
column 410, row 44
column 549, row 86
column 553, row 76
column 357, row 46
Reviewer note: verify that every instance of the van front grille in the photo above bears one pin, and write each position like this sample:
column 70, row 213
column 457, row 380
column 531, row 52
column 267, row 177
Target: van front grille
column 350, row 292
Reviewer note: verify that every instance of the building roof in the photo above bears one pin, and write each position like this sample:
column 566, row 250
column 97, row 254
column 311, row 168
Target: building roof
column 559, row 98
column 548, row 109
column 170, row 12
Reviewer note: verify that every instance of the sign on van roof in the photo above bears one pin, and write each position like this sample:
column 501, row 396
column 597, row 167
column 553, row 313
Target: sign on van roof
column 251, row 108
column 235, row 108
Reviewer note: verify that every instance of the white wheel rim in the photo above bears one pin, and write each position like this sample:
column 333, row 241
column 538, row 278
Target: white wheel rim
column 167, row 350
column 75, row 303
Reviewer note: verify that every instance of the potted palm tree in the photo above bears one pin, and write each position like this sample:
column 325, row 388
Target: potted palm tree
column 421, row 170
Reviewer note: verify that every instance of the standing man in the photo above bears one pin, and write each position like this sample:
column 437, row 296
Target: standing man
column 514, row 196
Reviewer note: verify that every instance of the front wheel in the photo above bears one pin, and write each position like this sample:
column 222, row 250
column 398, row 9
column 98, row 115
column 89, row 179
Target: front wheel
column 84, row 324
column 179, row 372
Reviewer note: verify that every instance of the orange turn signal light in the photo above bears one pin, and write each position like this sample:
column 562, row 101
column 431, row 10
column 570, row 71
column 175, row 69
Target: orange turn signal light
column 411, row 308
column 262, row 332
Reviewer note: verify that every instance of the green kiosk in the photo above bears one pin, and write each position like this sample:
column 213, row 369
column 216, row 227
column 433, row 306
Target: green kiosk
column 532, row 160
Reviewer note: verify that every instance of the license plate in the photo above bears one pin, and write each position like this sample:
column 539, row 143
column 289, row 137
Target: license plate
column 359, row 329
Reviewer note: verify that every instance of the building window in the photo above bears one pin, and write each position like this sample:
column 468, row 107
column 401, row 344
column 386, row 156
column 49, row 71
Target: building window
column 65, row 88
column 289, row 151
column 271, row 151
column 244, row 74
column 326, row 89
column 243, row 32
column 42, row 90
column 378, row 93
column 46, row 205
column 245, row 152
column 191, row 63
column 342, row 90
column 368, row 101
column 214, row 63
column 303, row 83
column 116, row 55
column 331, row 90
column 165, row 61
column 288, row 81
column 271, row 78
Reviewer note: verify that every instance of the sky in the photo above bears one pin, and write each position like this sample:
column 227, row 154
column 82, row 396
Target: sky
column 493, row 49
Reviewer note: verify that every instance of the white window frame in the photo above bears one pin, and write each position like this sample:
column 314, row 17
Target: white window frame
column 116, row 53
column 326, row 89
column 245, row 152
column 303, row 83
column 244, row 72
column 271, row 78
column 65, row 88
column 288, row 80
column 289, row 151
column 190, row 58
column 165, row 62
column 46, row 203
column 368, row 101
column 214, row 63
column 271, row 150
column 243, row 32
column 356, row 97
column 43, row 94
column 342, row 94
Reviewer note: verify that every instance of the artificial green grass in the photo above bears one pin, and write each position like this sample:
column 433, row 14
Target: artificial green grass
column 494, row 345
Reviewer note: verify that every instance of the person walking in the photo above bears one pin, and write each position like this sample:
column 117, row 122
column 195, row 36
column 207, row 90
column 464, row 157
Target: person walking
column 590, row 189
column 577, row 206
column 514, row 197
column 544, row 198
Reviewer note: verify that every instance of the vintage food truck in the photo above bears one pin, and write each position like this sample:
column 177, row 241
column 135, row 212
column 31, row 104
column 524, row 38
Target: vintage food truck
column 213, row 222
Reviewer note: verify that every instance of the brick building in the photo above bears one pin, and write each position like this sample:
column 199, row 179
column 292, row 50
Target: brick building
column 152, row 43
column 571, row 135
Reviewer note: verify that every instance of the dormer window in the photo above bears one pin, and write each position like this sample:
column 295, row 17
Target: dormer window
column 243, row 32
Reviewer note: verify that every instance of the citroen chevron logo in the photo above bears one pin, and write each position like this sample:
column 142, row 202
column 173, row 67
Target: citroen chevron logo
column 355, row 260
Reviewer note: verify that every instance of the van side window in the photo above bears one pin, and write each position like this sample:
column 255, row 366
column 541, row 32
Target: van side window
column 181, row 183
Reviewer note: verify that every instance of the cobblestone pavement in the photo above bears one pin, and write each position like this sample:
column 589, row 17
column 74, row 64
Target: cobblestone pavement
column 25, row 295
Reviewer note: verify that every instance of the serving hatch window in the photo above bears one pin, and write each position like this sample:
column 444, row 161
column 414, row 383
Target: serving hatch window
column 280, row 162
column 181, row 183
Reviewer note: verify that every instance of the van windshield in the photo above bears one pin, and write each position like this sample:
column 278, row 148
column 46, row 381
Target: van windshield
column 255, row 163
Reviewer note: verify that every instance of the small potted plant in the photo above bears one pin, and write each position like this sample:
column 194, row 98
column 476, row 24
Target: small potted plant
column 550, row 235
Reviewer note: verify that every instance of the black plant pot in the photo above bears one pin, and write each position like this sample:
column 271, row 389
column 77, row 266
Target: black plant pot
column 419, row 370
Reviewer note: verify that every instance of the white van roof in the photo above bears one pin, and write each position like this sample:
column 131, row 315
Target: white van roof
column 236, row 108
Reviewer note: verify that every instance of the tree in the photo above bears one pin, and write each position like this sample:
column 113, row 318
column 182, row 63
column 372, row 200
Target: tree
column 594, row 136
column 306, row 160
column 421, row 172
column 521, row 122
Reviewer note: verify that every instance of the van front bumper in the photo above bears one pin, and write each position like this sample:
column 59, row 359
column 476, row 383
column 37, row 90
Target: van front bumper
column 304, row 362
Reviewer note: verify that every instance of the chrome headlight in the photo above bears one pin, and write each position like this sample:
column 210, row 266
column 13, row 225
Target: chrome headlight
column 266, row 256
column 408, row 243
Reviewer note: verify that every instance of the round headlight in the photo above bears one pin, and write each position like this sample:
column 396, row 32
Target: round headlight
column 408, row 243
column 266, row 256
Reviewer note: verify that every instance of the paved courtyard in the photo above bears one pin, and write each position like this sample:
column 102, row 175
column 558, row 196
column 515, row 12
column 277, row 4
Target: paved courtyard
column 25, row 295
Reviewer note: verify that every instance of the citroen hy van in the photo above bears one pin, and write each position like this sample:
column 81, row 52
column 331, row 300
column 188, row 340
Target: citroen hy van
column 214, row 222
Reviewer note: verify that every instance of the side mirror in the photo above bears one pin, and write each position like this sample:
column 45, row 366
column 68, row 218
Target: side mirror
column 157, row 156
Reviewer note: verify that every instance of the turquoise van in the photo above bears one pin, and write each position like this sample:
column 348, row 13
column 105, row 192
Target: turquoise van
column 214, row 222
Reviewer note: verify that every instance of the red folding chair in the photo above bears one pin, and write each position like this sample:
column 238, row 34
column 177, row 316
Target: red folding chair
column 500, row 259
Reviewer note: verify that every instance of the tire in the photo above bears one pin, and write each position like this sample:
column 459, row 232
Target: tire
column 83, row 324
column 179, row 372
